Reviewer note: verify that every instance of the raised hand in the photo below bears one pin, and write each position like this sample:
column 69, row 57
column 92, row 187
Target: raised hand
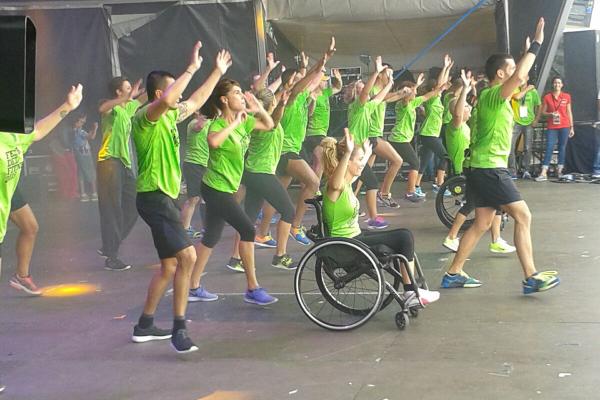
column 379, row 64
column 447, row 61
column 331, row 50
column 223, row 61
column 389, row 75
column 303, row 60
column 348, row 142
column 336, row 74
column 135, row 91
column 539, row 31
column 74, row 97
column 283, row 68
column 527, row 44
column 466, row 80
column 195, row 58
column 271, row 63
column 420, row 79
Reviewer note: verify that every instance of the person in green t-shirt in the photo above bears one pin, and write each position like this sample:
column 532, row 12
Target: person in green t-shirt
column 343, row 164
column 228, row 138
column 193, row 169
column 116, row 179
column 458, row 136
column 489, row 182
column 525, row 104
column 13, row 147
column 154, row 131
column 294, row 122
column 431, row 144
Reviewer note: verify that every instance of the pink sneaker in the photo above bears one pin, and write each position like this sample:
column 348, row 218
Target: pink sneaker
column 25, row 284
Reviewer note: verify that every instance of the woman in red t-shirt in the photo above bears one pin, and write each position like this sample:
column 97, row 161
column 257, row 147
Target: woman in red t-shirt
column 556, row 107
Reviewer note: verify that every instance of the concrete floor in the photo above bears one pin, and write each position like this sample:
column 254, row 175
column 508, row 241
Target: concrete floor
column 486, row 343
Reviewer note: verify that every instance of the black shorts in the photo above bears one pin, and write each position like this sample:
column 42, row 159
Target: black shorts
column 161, row 213
column 309, row 145
column 17, row 201
column 283, row 162
column 193, row 173
column 368, row 179
column 491, row 187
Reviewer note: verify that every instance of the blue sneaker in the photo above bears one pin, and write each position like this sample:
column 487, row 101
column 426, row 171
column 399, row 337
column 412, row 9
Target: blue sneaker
column 201, row 294
column 377, row 223
column 540, row 282
column 436, row 189
column 259, row 296
column 265, row 241
column 461, row 280
column 300, row 236
column 419, row 192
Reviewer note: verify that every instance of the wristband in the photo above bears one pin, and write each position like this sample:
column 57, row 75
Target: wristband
column 534, row 48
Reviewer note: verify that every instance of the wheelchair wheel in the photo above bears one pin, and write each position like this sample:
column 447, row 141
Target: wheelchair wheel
column 339, row 284
column 447, row 206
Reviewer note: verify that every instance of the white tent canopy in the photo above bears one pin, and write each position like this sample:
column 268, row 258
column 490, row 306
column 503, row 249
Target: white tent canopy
column 397, row 30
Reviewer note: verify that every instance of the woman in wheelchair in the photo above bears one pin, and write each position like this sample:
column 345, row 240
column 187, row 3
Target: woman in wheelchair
column 343, row 164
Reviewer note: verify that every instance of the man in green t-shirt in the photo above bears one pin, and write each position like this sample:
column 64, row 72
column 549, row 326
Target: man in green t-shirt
column 13, row 147
column 116, row 179
column 525, row 105
column 154, row 131
column 489, row 184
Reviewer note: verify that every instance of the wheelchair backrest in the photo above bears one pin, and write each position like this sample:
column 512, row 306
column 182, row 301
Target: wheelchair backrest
column 319, row 231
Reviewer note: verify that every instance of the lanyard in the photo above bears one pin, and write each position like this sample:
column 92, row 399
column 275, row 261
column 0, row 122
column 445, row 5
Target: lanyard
column 554, row 101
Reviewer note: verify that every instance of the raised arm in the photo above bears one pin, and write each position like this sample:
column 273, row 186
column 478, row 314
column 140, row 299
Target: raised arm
column 260, row 83
column 281, row 103
column 458, row 111
column 315, row 72
column 363, row 96
column 336, row 81
column 264, row 122
column 384, row 92
column 274, row 86
column 525, row 63
column 44, row 126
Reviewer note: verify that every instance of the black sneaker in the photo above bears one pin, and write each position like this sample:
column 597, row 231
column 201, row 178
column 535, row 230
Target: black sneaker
column 148, row 334
column 182, row 343
column 114, row 264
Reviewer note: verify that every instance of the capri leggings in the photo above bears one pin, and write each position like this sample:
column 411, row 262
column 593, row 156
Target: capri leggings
column 407, row 153
column 399, row 240
column 267, row 187
column 221, row 207
column 432, row 145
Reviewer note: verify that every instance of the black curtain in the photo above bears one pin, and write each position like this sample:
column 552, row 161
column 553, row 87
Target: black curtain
column 581, row 149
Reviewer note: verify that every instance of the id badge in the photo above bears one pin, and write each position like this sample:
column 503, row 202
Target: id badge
column 523, row 112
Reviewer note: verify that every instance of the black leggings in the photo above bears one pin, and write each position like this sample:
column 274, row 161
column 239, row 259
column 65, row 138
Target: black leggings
column 221, row 207
column 267, row 187
column 432, row 145
column 399, row 240
column 407, row 153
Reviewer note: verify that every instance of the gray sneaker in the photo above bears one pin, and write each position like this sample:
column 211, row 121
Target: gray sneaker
column 541, row 178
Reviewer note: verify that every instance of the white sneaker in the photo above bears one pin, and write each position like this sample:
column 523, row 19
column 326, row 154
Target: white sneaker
column 426, row 296
column 502, row 247
column 451, row 244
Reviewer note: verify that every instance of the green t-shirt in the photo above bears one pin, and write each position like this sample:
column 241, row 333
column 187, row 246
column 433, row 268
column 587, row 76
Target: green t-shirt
column 226, row 162
column 157, row 147
column 457, row 141
column 377, row 118
column 13, row 147
column 360, row 120
column 318, row 122
column 264, row 151
column 448, row 96
column 526, row 106
column 341, row 216
column 196, row 151
column 434, row 112
column 294, row 121
column 490, row 141
column 406, row 117
column 116, row 130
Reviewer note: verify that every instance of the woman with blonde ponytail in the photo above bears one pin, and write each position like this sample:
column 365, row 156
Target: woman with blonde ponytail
column 343, row 163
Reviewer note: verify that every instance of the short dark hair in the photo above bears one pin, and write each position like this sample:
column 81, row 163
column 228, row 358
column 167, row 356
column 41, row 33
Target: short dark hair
column 115, row 84
column 494, row 63
column 555, row 77
column 156, row 80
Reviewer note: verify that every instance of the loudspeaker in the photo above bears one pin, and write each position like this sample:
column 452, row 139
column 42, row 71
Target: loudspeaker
column 17, row 72
column 582, row 73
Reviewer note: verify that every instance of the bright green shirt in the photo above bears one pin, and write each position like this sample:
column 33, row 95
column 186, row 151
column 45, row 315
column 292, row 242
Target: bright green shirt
column 341, row 216
column 490, row 141
column 226, row 162
column 13, row 147
column 294, row 121
column 116, row 130
column 157, row 147
column 264, row 151
column 196, row 150
column 377, row 118
column 434, row 112
column 448, row 96
column 406, row 118
column 360, row 119
column 318, row 122
column 457, row 141
column 526, row 106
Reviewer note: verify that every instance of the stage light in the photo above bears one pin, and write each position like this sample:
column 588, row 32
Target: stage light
column 69, row 290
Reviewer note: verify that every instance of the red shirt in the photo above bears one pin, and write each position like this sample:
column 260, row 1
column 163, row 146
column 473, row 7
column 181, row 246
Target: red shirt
column 558, row 105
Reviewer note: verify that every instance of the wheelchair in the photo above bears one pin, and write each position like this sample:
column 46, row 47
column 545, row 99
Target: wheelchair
column 340, row 283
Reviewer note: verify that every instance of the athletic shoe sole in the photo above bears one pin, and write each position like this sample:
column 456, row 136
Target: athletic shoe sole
column 450, row 248
column 193, row 299
column 144, row 339
column 239, row 271
column 190, row 350
column 18, row 286
column 252, row 301
column 553, row 285
column 502, row 251
column 118, row 269
column 376, row 227
column 269, row 246
column 284, row 267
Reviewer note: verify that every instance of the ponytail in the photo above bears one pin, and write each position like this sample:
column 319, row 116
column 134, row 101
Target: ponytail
column 331, row 155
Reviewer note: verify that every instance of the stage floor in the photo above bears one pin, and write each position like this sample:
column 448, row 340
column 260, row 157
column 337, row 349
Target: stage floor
column 485, row 343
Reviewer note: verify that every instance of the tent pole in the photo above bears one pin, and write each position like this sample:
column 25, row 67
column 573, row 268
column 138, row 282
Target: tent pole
column 259, row 24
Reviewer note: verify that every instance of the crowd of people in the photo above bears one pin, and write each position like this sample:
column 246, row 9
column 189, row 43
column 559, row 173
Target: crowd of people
column 244, row 148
